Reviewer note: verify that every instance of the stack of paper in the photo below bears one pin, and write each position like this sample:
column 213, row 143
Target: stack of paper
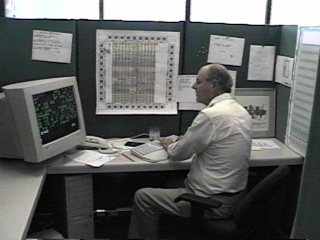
column 91, row 158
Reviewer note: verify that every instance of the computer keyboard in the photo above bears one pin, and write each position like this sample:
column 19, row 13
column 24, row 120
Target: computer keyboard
column 151, row 152
column 147, row 148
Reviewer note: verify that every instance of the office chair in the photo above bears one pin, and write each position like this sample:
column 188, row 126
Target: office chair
column 248, row 215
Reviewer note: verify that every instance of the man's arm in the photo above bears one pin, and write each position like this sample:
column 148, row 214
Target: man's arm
column 196, row 139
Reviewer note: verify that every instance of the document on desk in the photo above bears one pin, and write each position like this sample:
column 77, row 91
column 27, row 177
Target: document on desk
column 91, row 158
column 264, row 144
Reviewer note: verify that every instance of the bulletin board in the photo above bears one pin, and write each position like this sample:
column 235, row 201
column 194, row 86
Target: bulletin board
column 16, row 50
column 196, row 51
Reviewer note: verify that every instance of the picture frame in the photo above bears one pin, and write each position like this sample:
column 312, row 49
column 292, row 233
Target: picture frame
column 260, row 103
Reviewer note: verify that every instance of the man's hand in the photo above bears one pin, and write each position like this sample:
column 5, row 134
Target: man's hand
column 166, row 142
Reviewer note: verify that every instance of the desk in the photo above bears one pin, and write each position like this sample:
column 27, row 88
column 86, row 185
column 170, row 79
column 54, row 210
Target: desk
column 20, row 188
column 265, row 157
column 21, row 184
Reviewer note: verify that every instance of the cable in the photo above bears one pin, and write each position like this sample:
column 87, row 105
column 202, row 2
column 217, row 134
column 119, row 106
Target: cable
column 139, row 135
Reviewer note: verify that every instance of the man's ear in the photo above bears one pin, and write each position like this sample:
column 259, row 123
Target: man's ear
column 214, row 83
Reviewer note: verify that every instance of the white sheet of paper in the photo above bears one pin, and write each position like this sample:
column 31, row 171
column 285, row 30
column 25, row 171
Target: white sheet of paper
column 226, row 50
column 264, row 143
column 185, row 91
column 51, row 46
column 191, row 106
column 261, row 62
column 284, row 69
column 311, row 37
column 187, row 95
column 90, row 158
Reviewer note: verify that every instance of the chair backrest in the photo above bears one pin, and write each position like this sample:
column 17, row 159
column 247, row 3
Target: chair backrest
column 255, row 203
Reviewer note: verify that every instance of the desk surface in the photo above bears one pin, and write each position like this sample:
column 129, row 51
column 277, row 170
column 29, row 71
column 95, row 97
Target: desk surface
column 21, row 183
column 264, row 157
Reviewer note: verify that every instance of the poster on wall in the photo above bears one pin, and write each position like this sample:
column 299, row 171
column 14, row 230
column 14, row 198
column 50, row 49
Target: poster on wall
column 136, row 72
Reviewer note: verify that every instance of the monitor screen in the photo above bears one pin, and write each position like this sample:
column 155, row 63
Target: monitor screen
column 56, row 113
column 40, row 119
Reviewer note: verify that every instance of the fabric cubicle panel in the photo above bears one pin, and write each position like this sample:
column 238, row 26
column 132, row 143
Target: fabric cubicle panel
column 306, row 224
column 116, row 125
column 16, row 36
column 197, row 40
column 288, row 49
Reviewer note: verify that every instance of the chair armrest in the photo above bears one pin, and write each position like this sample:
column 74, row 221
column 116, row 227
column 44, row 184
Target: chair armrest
column 200, row 201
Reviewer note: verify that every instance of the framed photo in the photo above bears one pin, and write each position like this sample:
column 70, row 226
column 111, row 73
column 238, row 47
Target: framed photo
column 260, row 103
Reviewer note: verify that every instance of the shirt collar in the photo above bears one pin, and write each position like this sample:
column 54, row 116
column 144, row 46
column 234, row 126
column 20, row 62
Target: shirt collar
column 219, row 98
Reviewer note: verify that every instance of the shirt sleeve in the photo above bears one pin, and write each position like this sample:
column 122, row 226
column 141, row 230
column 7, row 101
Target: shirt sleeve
column 196, row 139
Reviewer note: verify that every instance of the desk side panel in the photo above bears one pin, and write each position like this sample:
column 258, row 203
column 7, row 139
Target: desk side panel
column 20, row 190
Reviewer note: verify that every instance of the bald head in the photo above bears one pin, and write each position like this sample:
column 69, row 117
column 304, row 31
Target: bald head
column 219, row 73
column 212, row 80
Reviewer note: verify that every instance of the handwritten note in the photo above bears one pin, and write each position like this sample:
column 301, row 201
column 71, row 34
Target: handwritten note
column 261, row 62
column 51, row 46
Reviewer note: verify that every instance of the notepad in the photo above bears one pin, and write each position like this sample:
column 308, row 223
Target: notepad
column 91, row 158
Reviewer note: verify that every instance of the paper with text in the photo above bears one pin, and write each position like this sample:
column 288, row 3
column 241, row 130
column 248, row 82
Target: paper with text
column 226, row 50
column 264, row 144
column 284, row 70
column 187, row 95
column 261, row 62
column 90, row 158
column 51, row 46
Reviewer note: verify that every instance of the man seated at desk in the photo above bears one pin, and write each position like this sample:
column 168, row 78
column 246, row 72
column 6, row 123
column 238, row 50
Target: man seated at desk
column 220, row 140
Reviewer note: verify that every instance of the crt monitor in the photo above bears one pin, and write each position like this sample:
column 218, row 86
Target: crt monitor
column 40, row 119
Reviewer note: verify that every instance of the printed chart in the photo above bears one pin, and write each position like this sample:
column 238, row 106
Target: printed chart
column 302, row 95
column 137, row 72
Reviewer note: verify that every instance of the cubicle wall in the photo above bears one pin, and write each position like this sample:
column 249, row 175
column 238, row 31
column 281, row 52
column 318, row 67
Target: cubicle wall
column 288, row 49
column 197, row 46
column 16, row 50
column 2, row 9
column 16, row 65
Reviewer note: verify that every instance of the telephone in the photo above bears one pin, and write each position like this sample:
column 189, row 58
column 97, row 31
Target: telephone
column 93, row 142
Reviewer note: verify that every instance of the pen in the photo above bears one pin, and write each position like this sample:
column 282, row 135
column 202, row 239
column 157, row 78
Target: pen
column 128, row 157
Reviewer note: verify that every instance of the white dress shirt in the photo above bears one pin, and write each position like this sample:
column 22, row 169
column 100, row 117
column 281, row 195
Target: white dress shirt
column 219, row 140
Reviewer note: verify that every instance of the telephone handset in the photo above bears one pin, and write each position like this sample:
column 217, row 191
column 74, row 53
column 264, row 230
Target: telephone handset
column 94, row 142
